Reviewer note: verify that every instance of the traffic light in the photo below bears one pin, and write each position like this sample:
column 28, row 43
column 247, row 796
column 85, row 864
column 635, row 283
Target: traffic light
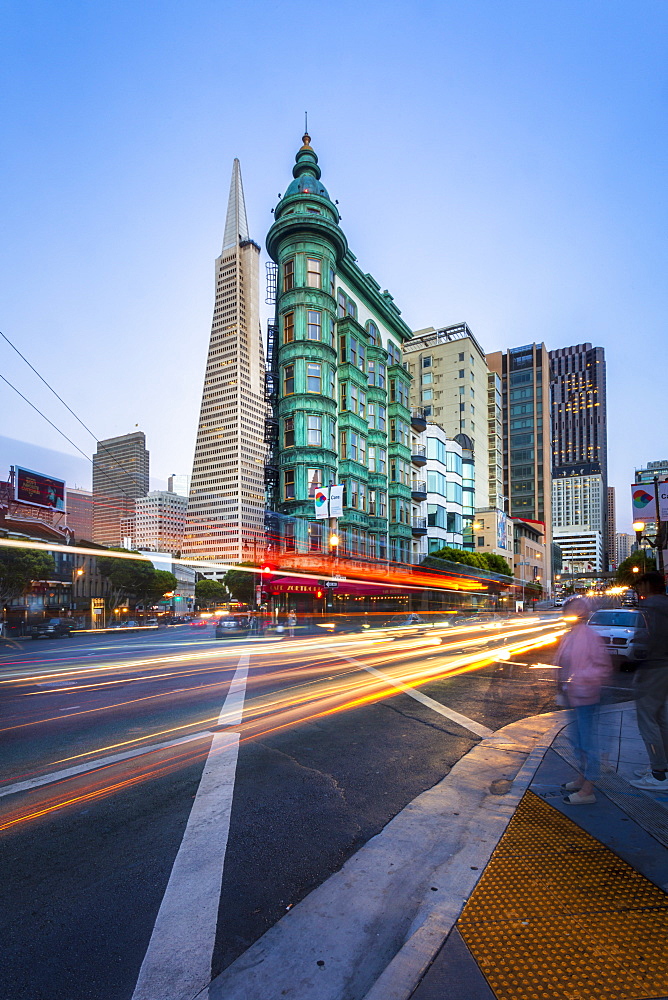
column 268, row 568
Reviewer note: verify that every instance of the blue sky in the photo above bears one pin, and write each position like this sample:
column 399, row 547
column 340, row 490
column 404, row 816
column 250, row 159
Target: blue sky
column 502, row 163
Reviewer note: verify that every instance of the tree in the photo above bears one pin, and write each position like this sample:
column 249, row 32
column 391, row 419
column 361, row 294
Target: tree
column 208, row 592
column 135, row 579
column 241, row 583
column 644, row 561
column 497, row 563
column 19, row 568
column 457, row 556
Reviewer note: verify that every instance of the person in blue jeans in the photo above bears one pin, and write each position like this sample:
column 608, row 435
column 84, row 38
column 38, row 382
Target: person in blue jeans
column 585, row 668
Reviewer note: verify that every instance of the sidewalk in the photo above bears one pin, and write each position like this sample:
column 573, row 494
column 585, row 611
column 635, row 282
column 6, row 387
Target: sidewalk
column 573, row 902
column 489, row 886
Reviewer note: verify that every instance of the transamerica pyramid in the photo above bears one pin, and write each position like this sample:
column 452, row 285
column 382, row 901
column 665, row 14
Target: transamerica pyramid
column 225, row 519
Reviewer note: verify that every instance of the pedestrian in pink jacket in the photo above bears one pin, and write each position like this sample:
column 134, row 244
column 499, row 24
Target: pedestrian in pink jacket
column 585, row 668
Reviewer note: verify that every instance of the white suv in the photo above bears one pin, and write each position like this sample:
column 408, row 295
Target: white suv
column 623, row 630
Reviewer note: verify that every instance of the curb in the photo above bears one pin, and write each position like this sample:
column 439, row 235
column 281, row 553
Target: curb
column 372, row 929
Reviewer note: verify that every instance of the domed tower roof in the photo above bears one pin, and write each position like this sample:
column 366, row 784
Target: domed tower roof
column 306, row 203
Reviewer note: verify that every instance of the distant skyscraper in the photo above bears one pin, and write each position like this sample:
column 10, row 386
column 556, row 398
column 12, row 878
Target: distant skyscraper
column 579, row 443
column 120, row 475
column 225, row 519
column 179, row 484
column 624, row 545
column 527, row 458
column 79, row 507
column 612, row 528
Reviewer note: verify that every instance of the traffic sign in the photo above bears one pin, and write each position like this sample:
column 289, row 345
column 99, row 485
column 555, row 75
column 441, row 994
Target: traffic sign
column 331, row 583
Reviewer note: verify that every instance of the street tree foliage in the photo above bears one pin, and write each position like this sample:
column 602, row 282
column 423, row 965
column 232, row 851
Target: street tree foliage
column 644, row 561
column 135, row 580
column 481, row 560
column 241, row 584
column 19, row 568
column 209, row 592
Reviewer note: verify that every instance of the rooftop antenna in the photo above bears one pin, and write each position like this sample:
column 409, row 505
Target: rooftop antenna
column 306, row 122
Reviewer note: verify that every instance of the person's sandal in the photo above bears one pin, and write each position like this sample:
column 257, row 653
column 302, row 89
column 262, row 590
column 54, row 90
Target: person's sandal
column 572, row 786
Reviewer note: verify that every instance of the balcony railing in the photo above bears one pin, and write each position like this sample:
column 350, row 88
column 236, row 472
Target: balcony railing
column 419, row 454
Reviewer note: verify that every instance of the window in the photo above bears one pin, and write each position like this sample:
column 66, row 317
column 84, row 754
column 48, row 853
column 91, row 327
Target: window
column 351, row 308
column 314, row 272
column 394, row 353
column 341, row 304
column 332, row 434
column 314, row 376
column 361, row 357
column 289, row 536
column 481, row 541
column 371, row 372
column 461, row 356
column 314, row 481
column 372, row 502
column 426, row 362
column 288, row 328
column 331, row 281
column 288, row 380
column 427, row 378
column 380, row 379
column 382, row 505
column 289, row 484
column 289, row 275
column 372, row 458
column 372, row 330
column 362, row 405
column 352, row 397
column 314, row 430
column 382, row 461
column 314, row 327
column 427, row 394
column 342, row 349
column 381, row 418
column 315, row 536
column 343, row 395
column 461, row 373
column 371, row 416
column 289, row 432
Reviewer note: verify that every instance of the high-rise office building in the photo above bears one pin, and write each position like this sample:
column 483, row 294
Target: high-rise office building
column 579, row 446
column 611, row 522
column 625, row 544
column 79, row 506
column 342, row 398
column 225, row 519
column 450, row 375
column 160, row 520
column 527, row 460
column 120, row 475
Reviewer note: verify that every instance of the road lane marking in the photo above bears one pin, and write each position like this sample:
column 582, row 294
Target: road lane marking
column 177, row 963
column 435, row 706
column 94, row 765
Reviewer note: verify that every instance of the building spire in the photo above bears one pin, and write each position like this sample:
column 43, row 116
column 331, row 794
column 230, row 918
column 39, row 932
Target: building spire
column 236, row 223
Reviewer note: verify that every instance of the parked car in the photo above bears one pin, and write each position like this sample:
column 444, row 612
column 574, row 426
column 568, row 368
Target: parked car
column 231, row 627
column 624, row 631
column 54, row 628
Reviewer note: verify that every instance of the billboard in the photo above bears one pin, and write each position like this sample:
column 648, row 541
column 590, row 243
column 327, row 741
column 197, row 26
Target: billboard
column 38, row 490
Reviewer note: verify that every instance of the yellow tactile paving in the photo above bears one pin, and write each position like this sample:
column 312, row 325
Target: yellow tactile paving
column 557, row 916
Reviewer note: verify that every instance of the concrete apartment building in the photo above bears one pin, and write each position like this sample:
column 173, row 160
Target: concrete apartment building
column 625, row 544
column 160, row 520
column 450, row 381
column 611, row 528
column 120, row 476
column 524, row 373
column 225, row 517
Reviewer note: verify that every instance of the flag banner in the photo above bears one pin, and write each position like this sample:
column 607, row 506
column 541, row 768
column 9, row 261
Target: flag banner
column 336, row 501
column 321, row 503
column 644, row 503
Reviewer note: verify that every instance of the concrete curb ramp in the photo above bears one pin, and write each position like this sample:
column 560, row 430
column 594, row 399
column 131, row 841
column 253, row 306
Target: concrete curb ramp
column 372, row 929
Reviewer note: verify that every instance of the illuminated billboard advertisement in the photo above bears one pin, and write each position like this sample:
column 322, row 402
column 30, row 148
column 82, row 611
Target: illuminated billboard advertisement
column 38, row 490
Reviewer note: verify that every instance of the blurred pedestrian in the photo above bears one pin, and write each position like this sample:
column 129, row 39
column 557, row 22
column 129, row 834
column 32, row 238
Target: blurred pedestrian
column 651, row 683
column 585, row 667
column 292, row 621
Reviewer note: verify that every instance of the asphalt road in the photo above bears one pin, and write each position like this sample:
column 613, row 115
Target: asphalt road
column 165, row 798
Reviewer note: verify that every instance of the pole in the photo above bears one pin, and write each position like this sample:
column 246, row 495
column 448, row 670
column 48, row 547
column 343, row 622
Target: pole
column 659, row 530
